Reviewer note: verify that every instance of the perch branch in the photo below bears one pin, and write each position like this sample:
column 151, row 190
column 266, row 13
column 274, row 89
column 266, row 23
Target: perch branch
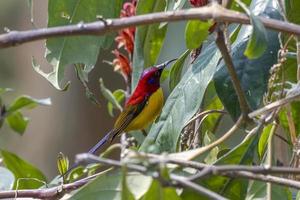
column 220, row 41
column 215, row 12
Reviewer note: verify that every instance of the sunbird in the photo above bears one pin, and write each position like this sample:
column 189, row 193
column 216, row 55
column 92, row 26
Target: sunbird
column 141, row 108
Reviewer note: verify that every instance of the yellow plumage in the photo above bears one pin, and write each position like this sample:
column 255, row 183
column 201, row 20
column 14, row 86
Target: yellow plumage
column 151, row 110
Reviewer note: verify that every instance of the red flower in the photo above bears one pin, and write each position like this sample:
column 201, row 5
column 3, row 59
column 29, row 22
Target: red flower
column 198, row 3
column 126, row 36
column 122, row 64
column 126, row 39
column 128, row 9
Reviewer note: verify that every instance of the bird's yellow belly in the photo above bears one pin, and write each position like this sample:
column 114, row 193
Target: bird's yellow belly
column 149, row 113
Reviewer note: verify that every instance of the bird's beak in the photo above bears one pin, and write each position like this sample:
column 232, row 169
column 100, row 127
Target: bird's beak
column 163, row 65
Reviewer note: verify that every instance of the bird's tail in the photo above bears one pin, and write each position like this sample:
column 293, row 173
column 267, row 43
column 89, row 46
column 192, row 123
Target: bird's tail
column 100, row 143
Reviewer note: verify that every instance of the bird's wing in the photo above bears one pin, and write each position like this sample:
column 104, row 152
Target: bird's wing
column 127, row 115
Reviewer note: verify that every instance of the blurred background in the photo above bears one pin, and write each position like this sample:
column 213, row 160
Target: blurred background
column 72, row 124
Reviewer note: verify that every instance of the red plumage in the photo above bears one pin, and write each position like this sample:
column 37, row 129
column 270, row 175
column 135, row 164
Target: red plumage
column 147, row 85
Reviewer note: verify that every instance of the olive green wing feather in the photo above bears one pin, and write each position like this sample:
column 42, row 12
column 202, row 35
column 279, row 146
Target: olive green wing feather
column 126, row 116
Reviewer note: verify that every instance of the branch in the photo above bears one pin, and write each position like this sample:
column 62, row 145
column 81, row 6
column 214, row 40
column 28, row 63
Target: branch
column 260, row 173
column 220, row 41
column 215, row 12
column 272, row 106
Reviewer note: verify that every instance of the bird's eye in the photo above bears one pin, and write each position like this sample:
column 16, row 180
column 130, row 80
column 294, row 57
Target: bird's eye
column 151, row 80
column 157, row 73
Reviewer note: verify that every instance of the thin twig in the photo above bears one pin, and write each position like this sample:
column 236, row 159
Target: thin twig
column 206, row 112
column 191, row 154
column 272, row 106
column 220, row 41
column 265, row 178
column 215, row 12
column 260, row 173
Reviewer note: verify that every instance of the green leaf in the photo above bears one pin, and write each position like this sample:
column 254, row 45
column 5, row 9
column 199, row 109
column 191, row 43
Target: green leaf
column 17, row 122
column 126, row 194
column 258, row 190
column 258, row 41
column 263, row 140
column 7, row 179
column 292, row 7
column 157, row 192
column 109, row 96
column 63, row 51
column 228, row 187
column 295, row 110
column 211, row 101
column 4, row 90
column 108, row 185
column 176, row 70
column 148, row 39
column 213, row 154
column 182, row 103
column 62, row 163
column 175, row 4
column 237, row 7
column 119, row 96
column 23, row 170
column 253, row 74
column 196, row 32
column 27, row 102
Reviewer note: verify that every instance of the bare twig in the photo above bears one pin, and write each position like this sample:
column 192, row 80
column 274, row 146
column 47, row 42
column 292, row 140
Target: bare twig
column 265, row 178
column 181, row 181
column 272, row 106
column 191, row 154
column 220, row 41
column 260, row 173
column 215, row 12
column 200, row 115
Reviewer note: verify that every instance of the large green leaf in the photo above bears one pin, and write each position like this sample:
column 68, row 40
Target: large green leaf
column 196, row 32
column 182, row 103
column 232, row 188
column 253, row 74
column 23, row 170
column 108, row 185
column 7, row 179
column 157, row 192
column 148, row 39
column 80, row 49
column 258, row 190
